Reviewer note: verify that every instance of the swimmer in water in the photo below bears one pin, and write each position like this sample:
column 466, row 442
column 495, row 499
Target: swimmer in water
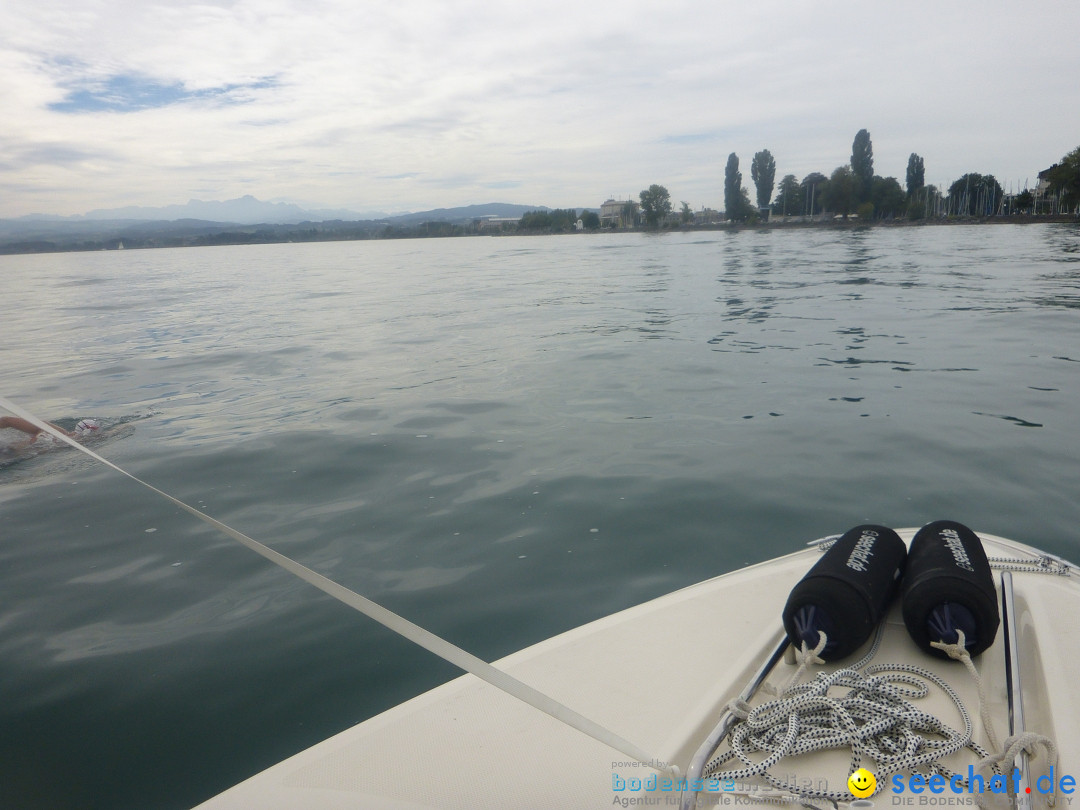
column 83, row 430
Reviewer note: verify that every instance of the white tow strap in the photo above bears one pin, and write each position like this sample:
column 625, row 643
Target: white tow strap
column 403, row 627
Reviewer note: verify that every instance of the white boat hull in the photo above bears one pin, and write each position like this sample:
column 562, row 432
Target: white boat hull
column 658, row 674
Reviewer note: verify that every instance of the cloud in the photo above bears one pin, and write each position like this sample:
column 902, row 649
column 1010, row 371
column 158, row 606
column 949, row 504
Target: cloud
column 56, row 155
column 339, row 102
column 692, row 138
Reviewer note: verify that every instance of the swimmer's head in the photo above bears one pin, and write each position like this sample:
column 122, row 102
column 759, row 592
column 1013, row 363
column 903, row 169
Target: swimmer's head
column 87, row 427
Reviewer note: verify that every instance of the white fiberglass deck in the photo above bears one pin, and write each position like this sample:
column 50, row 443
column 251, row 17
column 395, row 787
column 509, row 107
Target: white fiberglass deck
column 659, row 675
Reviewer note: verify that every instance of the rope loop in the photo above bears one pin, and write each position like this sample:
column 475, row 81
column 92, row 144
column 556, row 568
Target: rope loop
column 807, row 657
column 739, row 708
column 958, row 652
column 1029, row 742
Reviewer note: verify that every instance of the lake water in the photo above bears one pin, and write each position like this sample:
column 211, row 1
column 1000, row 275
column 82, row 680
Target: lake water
column 500, row 438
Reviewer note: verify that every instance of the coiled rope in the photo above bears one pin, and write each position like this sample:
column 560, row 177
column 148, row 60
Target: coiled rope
column 874, row 719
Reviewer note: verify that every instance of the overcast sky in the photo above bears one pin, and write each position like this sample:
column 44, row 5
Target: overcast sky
column 414, row 105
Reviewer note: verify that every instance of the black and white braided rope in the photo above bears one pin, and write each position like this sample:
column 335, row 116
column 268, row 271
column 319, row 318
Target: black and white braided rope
column 1038, row 565
column 866, row 712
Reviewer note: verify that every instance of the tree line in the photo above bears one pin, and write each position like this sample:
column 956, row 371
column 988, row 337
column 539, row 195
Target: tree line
column 850, row 189
column 854, row 189
column 557, row 220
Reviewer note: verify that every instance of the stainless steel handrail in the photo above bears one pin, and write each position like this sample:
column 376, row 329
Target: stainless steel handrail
column 1013, row 684
column 723, row 728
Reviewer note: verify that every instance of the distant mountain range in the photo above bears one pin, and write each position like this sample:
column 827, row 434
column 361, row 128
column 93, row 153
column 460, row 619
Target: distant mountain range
column 242, row 211
column 248, row 210
column 239, row 221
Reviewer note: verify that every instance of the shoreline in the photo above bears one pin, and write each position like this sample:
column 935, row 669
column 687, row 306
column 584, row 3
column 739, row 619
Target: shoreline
column 1019, row 219
column 223, row 235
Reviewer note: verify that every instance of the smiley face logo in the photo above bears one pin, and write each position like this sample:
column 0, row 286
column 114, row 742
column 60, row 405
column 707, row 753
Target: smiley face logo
column 862, row 784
